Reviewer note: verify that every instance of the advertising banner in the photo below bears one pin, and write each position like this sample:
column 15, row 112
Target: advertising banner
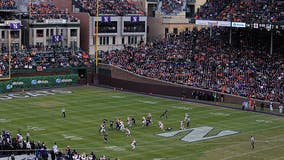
column 238, row 24
column 38, row 82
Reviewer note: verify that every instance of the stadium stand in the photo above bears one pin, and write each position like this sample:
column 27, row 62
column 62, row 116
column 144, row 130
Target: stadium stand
column 171, row 7
column 195, row 59
column 112, row 7
column 3, row 66
column 249, row 11
column 18, row 145
column 211, row 9
column 49, row 58
column 252, row 12
column 8, row 5
column 42, row 11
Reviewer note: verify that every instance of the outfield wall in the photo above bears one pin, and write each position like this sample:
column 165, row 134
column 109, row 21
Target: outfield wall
column 119, row 78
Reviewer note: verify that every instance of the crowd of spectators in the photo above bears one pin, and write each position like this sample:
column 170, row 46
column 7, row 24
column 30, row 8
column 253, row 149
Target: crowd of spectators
column 211, row 9
column 196, row 59
column 249, row 11
column 4, row 72
column 112, row 7
column 252, row 11
column 44, row 58
column 42, row 11
column 169, row 7
column 7, row 5
column 10, row 146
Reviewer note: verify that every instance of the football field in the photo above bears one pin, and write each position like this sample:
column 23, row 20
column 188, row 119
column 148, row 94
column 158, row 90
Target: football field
column 216, row 133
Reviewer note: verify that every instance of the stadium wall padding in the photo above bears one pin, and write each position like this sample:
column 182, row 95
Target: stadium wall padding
column 37, row 82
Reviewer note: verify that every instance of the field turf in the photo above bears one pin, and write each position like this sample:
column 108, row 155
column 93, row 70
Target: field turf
column 86, row 107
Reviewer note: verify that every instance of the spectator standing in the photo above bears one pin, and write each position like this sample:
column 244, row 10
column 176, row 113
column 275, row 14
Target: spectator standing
column 271, row 107
column 281, row 108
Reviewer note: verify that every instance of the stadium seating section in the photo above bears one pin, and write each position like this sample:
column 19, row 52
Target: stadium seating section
column 113, row 7
column 7, row 5
column 249, row 11
column 198, row 60
column 46, row 58
column 16, row 145
column 42, row 11
column 171, row 7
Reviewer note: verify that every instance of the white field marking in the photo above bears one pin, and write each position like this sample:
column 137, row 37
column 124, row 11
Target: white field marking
column 34, row 128
column 147, row 102
column 263, row 121
column 198, row 134
column 181, row 108
column 115, row 148
column 158, row 158
column 117, row 96
column 220, row 114
column 71, row 137
column 4, row 120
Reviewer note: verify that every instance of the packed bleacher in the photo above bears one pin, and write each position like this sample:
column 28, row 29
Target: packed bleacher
column 8, row 5
column 169, row 7
column 195, row 59
column 10, row 146
column 33, row 58
column 211, row 9
column 112, row 7
column 4, row 69
column 42, row 11
column 249, row 11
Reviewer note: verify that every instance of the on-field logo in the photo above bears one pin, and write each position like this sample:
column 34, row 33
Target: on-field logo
column 198, row 134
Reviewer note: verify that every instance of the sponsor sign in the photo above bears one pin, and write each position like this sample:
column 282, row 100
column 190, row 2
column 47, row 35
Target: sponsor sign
column 34, row 82
column 204, row 22
column 106, row 19
column 223, row 23
column 238, row 24
column 268, row 26
column 16, row 83
column 9, row 86
column 55, row 21
column 213, row 23
column 255, row 25
column 134, row 19
column 198, row 134
column 59, row 80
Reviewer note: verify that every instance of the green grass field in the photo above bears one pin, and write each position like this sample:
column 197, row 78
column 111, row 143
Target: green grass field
column 86, row 107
